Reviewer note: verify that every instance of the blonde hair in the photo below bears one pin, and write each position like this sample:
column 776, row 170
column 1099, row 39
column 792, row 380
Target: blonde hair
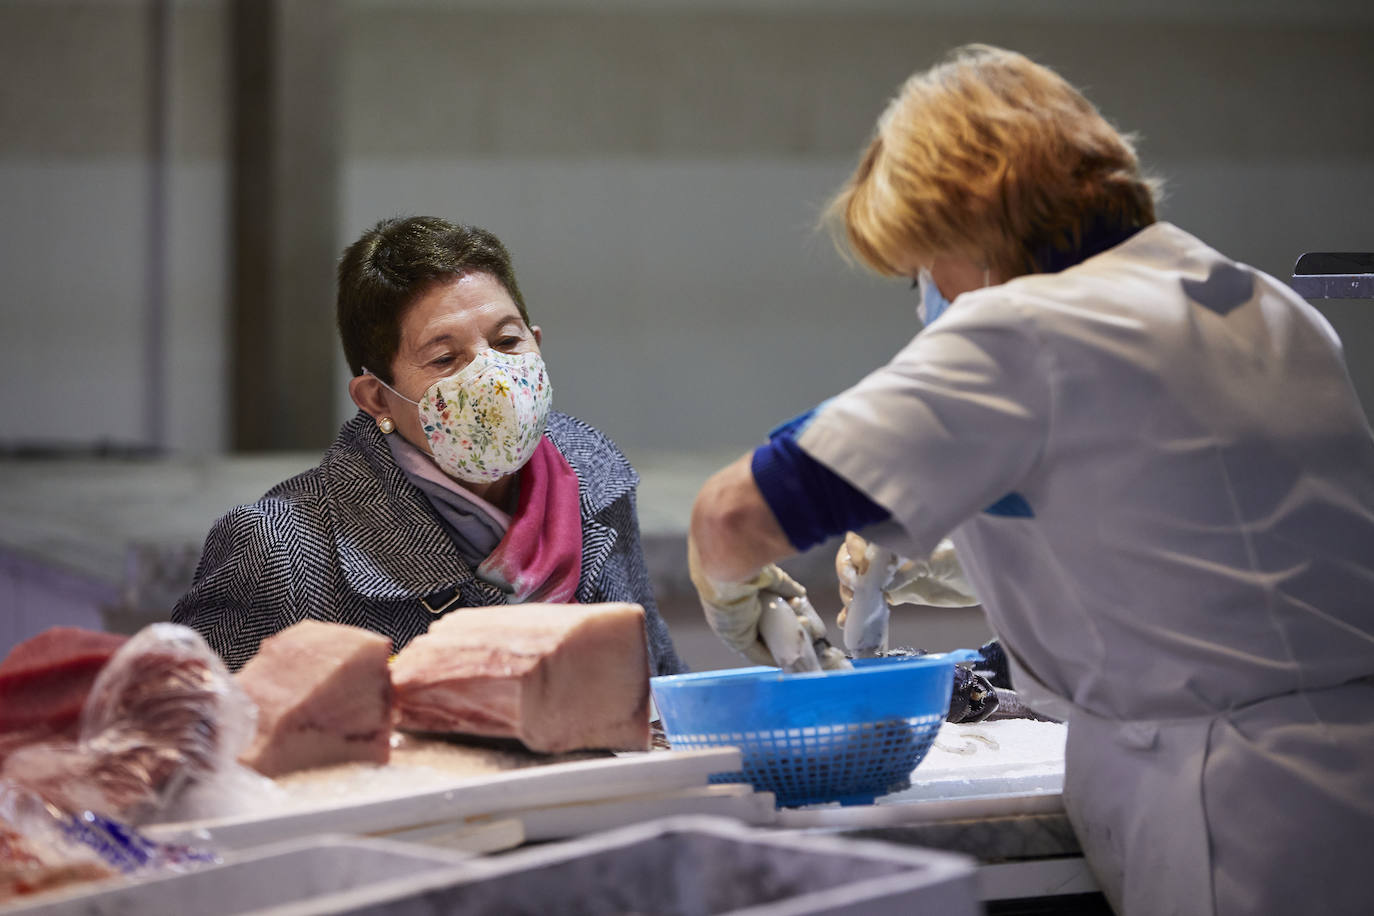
column 991, row 156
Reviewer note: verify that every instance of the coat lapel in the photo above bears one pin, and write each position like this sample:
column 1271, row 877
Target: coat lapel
column 391, row 545
column 604, row 476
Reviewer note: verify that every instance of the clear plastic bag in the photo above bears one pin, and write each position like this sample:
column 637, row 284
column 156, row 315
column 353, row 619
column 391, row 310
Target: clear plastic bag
column 163, row 714
column 43, row 847
column 35, row 855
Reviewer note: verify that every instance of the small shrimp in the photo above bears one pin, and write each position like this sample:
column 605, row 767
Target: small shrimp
column 969, row 746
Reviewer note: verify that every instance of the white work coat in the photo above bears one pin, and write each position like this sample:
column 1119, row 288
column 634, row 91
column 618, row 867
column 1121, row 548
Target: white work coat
column 1161, row 486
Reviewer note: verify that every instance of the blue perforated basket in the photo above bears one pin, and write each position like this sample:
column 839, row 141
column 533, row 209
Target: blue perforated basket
column 835, row 736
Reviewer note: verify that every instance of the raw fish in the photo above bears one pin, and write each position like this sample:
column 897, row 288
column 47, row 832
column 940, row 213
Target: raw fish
column 866, row 618
column 556, row 677
column 324, row 696
column 164, row 713
column 44, row 682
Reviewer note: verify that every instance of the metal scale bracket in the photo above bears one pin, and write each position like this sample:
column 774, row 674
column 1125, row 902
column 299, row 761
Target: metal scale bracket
column 1334, row 275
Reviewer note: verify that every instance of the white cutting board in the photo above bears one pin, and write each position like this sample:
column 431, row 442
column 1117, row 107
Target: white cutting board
column 559, row 783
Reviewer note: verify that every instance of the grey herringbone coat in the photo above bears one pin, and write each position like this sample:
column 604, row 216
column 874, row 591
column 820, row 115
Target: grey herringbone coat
column 353, row 541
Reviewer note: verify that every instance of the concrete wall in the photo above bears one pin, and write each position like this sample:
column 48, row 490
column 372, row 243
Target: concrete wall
column 84, row 358
column 657, row 175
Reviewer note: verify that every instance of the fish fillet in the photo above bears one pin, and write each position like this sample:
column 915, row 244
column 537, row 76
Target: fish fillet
column 556, row 677
column 866, row 618
column 324, row 696
column 44, row 682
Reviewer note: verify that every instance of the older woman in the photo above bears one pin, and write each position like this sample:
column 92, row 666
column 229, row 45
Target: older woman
column 1155, row 471
column 454, row 486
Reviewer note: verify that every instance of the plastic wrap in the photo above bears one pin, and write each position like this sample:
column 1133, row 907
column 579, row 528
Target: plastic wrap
column 162, row 715
column 35, row 854
column 43, row 847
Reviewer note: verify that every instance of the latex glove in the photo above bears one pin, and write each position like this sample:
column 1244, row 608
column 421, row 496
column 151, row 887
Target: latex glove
column 733, row 608
column 937, row 580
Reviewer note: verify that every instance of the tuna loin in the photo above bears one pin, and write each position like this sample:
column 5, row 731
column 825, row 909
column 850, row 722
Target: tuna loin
column 162, row 714
column 44, row 682
column 324, row 696
column 556, row 677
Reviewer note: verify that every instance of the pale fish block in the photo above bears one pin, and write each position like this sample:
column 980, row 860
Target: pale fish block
column 556, row 677
column 324, row 696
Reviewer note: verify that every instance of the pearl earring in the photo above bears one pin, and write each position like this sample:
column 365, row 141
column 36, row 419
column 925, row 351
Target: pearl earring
column 386, row 425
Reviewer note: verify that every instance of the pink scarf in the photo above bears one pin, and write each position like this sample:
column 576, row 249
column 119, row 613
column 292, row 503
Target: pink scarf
column 540, row 557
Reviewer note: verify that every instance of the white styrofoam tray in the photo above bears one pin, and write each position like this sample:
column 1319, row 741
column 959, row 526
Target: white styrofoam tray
column 248, row 881
column 695, row 866
column 991, row 769
column 1008, row 757
column 680, row 866
column 543, row 786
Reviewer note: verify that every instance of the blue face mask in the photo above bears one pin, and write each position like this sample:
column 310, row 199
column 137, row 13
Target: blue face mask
column 933, row 302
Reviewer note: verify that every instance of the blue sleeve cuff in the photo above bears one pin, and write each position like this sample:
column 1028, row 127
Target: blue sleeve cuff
column 810, row 501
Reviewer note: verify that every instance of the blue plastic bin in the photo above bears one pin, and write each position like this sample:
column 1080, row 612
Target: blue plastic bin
column 833, row 736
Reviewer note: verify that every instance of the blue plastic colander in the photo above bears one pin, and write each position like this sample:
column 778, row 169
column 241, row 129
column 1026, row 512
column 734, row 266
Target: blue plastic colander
column 831, row 736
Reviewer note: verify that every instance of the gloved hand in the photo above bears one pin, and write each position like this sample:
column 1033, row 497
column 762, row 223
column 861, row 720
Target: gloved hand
column 733, row 608
column 937, row 580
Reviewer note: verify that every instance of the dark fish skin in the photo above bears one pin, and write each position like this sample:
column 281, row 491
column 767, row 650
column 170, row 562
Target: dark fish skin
column 983, row 691
column 995, row 666
column 1009, row 706
column 997, row 670
column 973, row 699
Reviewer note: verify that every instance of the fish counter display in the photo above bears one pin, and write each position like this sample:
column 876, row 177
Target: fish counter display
column 127, row 758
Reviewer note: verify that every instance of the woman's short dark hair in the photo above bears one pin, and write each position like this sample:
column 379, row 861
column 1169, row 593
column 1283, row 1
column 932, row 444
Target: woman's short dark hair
column 392, row 265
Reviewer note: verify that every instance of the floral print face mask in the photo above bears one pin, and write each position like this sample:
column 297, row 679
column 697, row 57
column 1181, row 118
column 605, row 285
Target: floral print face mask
column 485, row 421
